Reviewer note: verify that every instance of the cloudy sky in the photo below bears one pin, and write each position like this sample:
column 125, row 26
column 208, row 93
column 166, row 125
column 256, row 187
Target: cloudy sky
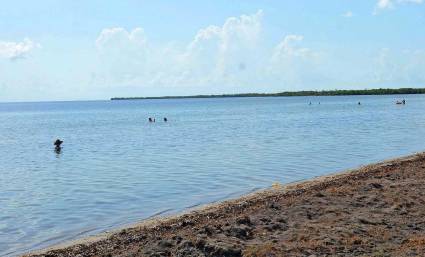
column 75, row 50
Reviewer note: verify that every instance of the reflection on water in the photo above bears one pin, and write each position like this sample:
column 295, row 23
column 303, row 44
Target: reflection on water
column 58, row 150
column 119, row 168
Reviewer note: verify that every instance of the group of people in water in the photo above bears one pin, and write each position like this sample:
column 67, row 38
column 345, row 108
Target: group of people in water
column 153, row 119
column 397, row 102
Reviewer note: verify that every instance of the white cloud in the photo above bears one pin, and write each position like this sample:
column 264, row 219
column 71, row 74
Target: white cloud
column 123, row 56
column 347, row 14
column 384, row 4
column 293, row 64
column 223, row 54
column 390, row 4
column 226, row 58
column 405, row 67
column 16, row 50
column 288, row 47
column 217, row 55
column 119, row 37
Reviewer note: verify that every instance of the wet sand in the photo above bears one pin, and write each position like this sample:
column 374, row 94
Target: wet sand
column 376, row 210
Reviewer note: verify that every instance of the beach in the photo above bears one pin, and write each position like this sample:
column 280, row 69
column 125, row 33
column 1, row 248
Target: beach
column 375, row 210
column 243, row 129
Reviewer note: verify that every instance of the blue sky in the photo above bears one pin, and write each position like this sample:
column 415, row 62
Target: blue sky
column 75, row 50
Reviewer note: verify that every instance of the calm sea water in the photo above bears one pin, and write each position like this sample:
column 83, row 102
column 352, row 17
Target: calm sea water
column 116, row 168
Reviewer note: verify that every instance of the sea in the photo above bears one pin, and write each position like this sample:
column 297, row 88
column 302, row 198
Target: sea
column 116, row 168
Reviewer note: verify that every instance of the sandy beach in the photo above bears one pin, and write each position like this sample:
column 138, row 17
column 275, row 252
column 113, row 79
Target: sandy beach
column 375, row 210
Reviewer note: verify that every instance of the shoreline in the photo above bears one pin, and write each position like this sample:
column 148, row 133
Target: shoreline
column 231, row 227
column 340, row 92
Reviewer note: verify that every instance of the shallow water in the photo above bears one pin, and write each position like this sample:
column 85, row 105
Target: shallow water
column 116, row 168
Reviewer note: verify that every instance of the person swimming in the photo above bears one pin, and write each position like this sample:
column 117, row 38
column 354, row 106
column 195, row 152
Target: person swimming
column 165, row 119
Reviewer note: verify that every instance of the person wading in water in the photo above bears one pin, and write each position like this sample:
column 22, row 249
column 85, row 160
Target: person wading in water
column 58, row 144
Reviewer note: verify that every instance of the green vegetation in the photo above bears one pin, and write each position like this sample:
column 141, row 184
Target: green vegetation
column 379, row 91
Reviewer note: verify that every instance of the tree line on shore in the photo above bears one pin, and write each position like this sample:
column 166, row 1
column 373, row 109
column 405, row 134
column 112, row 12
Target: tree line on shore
column 378, row 91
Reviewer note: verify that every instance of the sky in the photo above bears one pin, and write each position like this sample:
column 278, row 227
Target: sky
column 88, row 50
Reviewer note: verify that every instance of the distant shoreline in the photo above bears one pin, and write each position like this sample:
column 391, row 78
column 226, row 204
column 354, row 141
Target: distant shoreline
column 378, row 91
